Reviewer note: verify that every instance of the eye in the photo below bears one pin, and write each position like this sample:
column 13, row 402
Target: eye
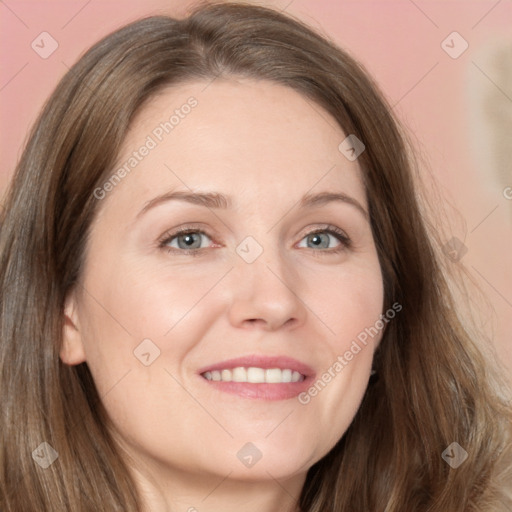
column 186, row 240
column 331, row 238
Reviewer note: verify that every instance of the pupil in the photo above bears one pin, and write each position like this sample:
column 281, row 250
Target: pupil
column 317, row 240
column 188, row 240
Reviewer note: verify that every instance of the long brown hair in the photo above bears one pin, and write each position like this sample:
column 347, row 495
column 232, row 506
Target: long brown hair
column 433, row 386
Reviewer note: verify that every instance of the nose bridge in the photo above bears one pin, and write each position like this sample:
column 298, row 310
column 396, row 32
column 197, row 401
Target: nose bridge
column 264, row 260
column 264, row 285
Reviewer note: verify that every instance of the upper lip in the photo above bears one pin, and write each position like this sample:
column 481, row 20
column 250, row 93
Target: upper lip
column 260, row 361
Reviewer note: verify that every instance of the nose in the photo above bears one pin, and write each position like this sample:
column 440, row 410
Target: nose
column 266, row 294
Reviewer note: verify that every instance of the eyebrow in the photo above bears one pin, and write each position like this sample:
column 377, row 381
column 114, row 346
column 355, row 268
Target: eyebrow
column 321, row 198
column 206, row 199
column 216, row 200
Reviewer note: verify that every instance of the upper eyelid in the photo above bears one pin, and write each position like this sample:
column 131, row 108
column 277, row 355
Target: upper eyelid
column 172, row 234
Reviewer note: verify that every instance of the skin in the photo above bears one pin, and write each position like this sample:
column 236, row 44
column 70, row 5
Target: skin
column 265, row 146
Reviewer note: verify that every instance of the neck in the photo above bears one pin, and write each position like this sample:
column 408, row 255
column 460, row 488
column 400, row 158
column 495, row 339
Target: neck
column 180, row 491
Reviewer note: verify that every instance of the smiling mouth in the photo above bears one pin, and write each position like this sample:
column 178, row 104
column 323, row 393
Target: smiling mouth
column 254, row 375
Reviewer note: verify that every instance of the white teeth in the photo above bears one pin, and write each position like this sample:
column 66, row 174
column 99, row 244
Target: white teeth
column 255, row 375
column 225, row 375
column 239, row 374
column 273, row 375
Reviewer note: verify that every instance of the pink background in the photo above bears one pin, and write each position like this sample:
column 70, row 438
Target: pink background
column 439, row 98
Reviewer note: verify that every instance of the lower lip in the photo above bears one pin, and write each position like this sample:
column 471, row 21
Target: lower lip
column 262, row 391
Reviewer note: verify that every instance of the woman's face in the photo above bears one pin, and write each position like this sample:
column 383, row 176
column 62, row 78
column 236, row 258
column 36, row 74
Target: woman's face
column 276, row 275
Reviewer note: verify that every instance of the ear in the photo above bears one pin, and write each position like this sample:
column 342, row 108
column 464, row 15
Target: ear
column 72, row 350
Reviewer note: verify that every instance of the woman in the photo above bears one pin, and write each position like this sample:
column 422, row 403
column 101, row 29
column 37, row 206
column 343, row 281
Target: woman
column 211, row 241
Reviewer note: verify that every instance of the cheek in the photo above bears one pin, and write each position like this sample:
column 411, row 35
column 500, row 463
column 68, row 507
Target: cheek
column 129, row 312
column 143, row 300
column 156, row 300
column 348, row 300
column 351, row 309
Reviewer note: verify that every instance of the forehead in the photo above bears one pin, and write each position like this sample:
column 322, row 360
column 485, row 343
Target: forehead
column 241, row 137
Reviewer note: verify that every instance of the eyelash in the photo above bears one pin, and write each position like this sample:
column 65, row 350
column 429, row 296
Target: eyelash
column 345, row 241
